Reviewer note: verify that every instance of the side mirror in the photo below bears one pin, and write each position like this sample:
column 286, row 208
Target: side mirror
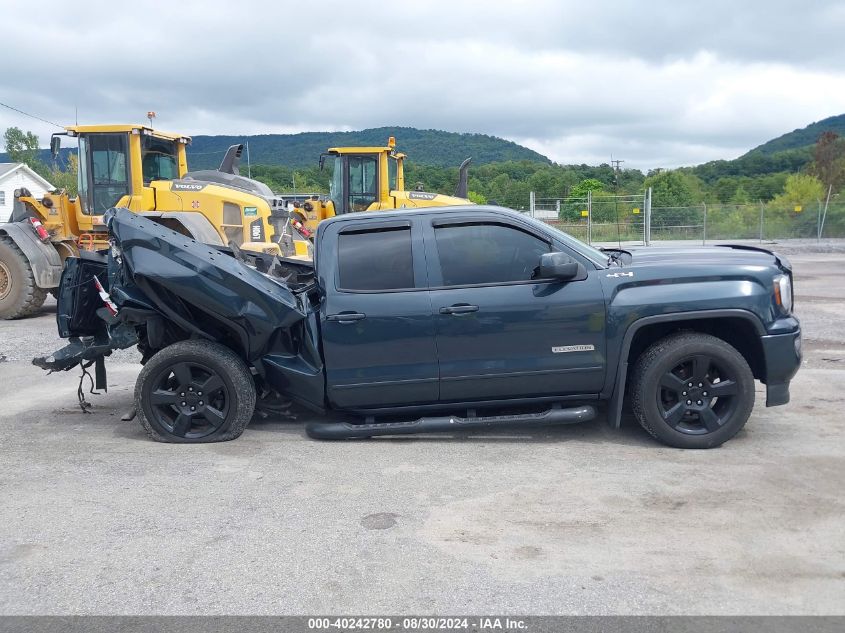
column 55, row 144
column 558, row 266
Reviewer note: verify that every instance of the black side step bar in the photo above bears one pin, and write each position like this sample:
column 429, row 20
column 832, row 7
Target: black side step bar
column 447, row 423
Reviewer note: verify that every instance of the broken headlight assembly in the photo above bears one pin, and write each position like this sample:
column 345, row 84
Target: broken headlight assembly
column 115, row 252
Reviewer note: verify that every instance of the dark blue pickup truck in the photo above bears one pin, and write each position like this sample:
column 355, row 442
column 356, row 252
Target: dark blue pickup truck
column 434, row 320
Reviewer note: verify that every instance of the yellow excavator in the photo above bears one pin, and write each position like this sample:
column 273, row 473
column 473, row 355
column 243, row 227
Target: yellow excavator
column 371, row 179
column 146, row 171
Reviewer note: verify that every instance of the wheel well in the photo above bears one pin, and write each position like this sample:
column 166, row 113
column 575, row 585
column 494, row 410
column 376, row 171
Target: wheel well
column 173, row 224
column 736, row 331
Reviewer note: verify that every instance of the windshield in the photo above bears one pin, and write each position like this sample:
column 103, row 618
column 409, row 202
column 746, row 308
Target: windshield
column 593, row 254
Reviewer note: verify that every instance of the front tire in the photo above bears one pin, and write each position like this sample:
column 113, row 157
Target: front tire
column 19, row 294
column 692, row 390
column 195, row 392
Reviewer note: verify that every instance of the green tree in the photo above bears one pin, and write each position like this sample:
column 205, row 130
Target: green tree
column 740, row 196
column 680, row 193
column 829, row 160
column 672, row 189
column 22, row 147
column 588, row 184
column 791, row 213
column 800, row 189
column 66, row 179
column 725, row 188
column 476, row 197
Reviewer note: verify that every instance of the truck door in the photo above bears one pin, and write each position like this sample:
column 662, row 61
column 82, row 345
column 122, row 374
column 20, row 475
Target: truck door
column 501, row 333
column 376, row 317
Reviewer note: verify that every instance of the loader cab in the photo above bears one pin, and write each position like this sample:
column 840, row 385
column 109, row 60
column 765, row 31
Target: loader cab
column 362, row 178
column 117, row 163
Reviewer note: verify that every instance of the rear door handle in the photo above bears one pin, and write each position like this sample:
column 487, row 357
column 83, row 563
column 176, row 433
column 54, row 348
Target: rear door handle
column 345, row 318
column 459, row 308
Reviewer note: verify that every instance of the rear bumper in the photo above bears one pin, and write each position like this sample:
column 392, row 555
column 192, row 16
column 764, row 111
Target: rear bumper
column 782, row 357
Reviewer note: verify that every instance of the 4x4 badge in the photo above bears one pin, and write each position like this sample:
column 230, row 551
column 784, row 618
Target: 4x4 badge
column 620, row 274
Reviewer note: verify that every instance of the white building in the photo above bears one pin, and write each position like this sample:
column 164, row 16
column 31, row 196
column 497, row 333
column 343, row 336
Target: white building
column 14, row 176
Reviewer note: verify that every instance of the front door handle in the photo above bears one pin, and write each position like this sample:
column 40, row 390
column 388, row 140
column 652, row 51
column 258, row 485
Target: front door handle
column 345, row 318
column 459, row 308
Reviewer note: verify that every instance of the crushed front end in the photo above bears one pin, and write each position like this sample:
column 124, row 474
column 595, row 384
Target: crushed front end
column 156, row 286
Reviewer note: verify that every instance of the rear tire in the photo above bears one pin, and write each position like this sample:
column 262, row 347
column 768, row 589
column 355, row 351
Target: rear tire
column 692, row 390
column 195, row 392
column 19, row 294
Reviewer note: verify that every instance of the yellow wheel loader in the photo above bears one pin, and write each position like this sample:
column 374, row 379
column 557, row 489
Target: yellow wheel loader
column 371, row 179
column 146, row 171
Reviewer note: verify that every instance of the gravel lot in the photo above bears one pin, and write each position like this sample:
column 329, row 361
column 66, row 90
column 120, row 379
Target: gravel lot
column 97, row 519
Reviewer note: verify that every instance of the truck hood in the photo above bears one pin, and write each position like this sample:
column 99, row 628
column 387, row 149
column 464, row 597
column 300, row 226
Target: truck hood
column 204, row 290
column 723, row 254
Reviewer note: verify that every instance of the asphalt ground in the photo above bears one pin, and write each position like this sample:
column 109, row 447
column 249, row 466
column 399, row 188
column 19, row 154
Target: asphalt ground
column 95, row 518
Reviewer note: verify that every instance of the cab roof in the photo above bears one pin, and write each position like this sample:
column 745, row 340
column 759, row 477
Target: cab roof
column 480, row 209
column 358, row 150
column 127, row 128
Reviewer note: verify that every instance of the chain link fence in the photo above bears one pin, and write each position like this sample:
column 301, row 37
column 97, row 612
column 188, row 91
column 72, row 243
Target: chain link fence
column 633, row 220
column 595, row 218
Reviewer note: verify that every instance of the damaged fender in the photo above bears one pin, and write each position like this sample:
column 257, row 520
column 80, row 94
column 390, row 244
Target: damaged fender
column 169, row 287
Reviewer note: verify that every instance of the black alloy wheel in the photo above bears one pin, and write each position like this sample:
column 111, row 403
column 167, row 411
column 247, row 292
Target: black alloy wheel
column 698, row 395
column 692, row 390
column 195, row 391
column 189, row 400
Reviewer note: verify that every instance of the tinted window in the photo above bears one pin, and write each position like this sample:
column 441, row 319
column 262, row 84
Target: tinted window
column 376, row 260
column 487, row 253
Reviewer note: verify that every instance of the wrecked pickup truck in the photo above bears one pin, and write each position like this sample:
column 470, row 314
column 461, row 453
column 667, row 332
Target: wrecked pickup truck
column 434, row 320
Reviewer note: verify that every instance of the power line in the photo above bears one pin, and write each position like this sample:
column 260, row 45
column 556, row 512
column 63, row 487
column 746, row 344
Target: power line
column 32, row 116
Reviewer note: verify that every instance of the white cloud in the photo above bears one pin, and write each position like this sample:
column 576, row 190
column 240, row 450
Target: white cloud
column 657, row 84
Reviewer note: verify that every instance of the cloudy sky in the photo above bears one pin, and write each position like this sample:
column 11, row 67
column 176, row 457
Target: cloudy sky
column 656, row 83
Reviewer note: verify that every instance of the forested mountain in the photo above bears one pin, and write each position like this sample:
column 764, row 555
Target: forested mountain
column 507, row 172
column 761, row 173
column 803, row 138
column 425, row 147
column 44, row 157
